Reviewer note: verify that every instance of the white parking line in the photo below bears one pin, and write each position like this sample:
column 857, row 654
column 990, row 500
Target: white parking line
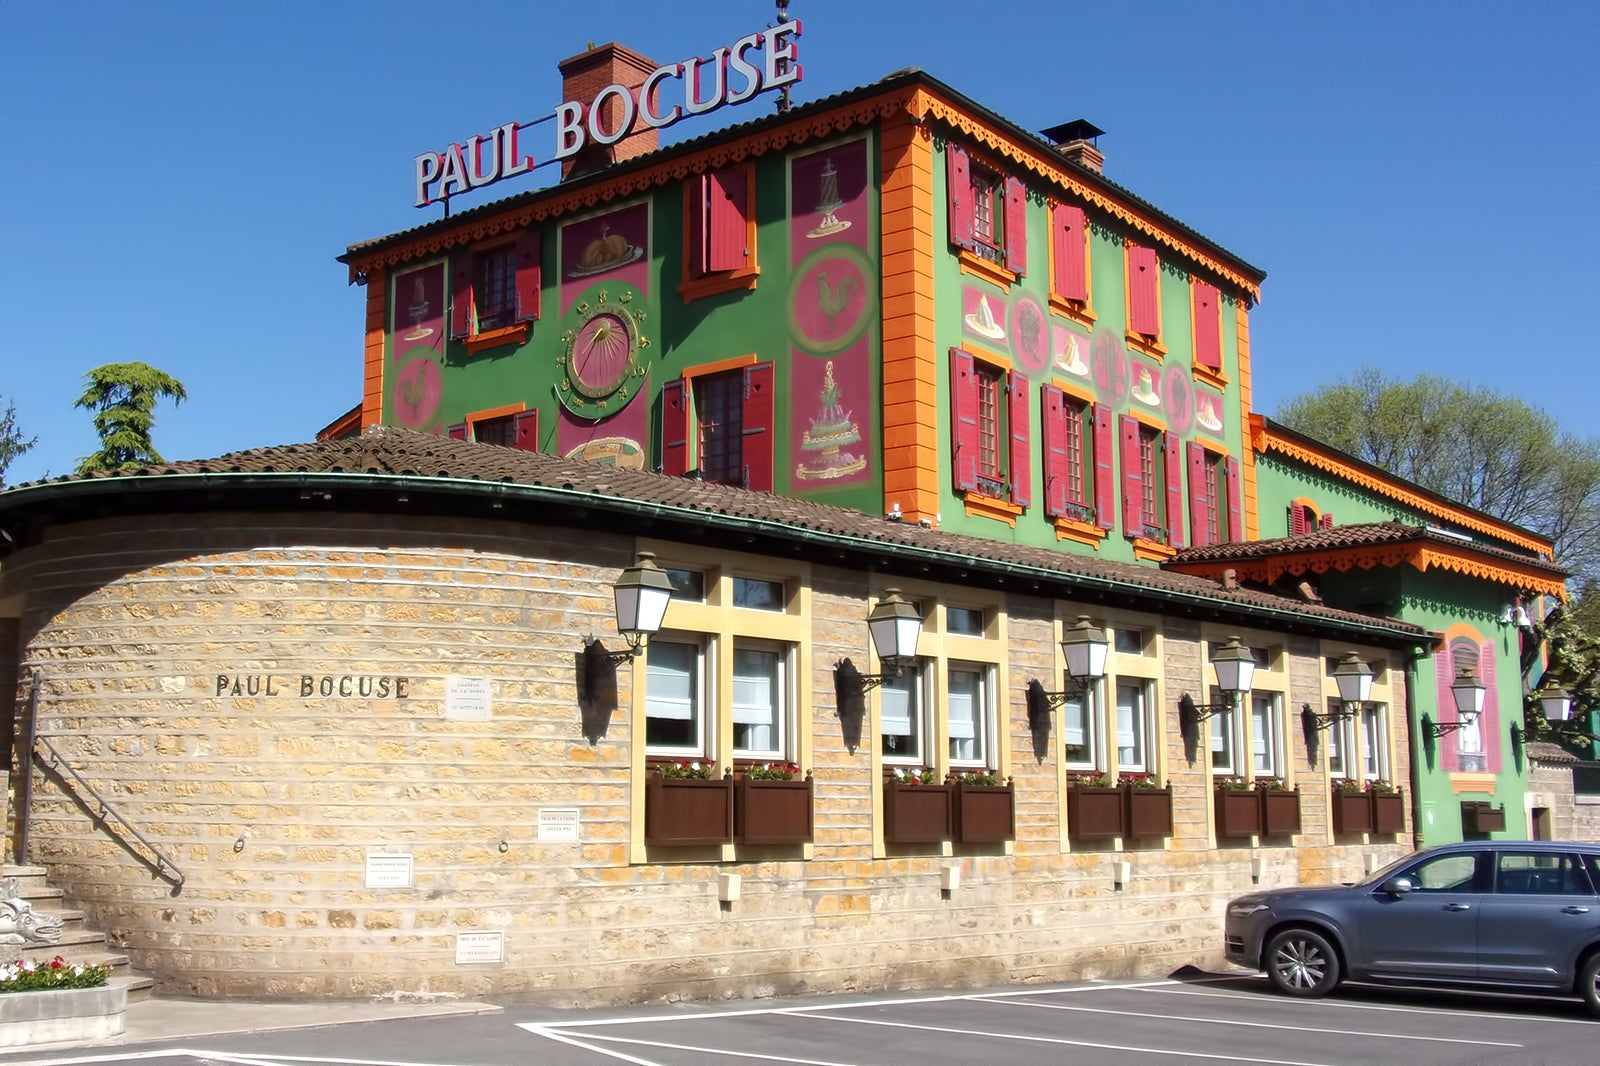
column 1233, row 1024
column 1173, row 988
column 725, row 1052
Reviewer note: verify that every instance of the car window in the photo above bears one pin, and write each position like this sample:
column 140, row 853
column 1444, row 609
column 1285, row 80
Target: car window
column 1445, row 873
column 1522, row 873
column 1591, row 863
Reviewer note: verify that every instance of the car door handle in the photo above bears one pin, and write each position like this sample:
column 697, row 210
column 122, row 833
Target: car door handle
column 1574, row 910
column 1458, row 906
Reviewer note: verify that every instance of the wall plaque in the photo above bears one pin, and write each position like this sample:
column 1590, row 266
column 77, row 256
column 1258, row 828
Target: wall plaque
column 558, row 825
column 467, row 699
column 389, row 871
column 480, row 947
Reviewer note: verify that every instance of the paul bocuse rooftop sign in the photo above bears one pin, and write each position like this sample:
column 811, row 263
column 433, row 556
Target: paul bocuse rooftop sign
column 753, row 64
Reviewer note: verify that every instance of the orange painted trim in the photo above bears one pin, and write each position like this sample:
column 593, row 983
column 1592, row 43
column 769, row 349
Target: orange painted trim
column 734, row 363
column 982, row 354
column 1145, row 346
column 991, row 507
column 1309, row 504
column 1148, row 421
column 692, row 289
column 1076, row 391
column 373, row 349
column 345, row 425
column 1466, row 782
column 496, row 338
column 1077, row 310
column 474, row 417
column 1330, row 462
column 978, row 266
column 1082, row 532
column 1421, row 556
column 1208, row 376
column 1152, row 550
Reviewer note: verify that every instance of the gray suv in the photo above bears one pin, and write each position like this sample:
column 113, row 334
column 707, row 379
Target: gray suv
column 1514, row 915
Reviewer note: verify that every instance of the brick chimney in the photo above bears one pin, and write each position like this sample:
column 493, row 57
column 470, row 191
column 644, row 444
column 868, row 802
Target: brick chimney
column 1076, row 140
column 584, row 75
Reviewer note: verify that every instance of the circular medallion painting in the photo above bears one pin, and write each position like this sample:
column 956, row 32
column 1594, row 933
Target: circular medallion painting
column 829, row 298
column 1031, row 335
column 417, row 389
column 1110, row 369
column 602, row 366
column 1179, row 397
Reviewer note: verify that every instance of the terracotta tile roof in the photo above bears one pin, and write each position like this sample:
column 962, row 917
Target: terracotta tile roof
column 1547, row 752
column 1353, row 536
column 403, row 458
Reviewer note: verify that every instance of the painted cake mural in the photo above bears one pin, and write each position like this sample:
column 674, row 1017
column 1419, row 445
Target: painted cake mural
column 416, row 347
column 603, row 367
column 832, row 301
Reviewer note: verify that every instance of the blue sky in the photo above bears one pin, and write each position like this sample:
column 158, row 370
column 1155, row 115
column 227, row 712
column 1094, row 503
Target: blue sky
column 1418, row 179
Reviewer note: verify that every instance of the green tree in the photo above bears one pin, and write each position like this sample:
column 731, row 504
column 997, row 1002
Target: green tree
column 12, row 442
column 123, row 398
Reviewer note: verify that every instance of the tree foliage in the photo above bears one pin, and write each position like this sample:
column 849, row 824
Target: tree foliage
column 12, row 443
column 123, row 397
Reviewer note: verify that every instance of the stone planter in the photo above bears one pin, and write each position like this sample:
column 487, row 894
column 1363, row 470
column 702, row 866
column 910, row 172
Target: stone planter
column 1352, row 811
column 1149, row 811
column 1238, row 812
column 1094, row 813
column 917, row 814
column 62, row 1015
column 1388, row 812
column 770, row 811
column 683, row 811
column 1482, row 818
column 985, row 814
column 1280, row 812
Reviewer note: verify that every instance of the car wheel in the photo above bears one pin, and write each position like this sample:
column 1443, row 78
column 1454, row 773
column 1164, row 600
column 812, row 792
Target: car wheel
column 1300, row 962
column 1589, row 982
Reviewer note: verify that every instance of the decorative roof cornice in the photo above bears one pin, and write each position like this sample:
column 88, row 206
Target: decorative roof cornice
column 1266, row 435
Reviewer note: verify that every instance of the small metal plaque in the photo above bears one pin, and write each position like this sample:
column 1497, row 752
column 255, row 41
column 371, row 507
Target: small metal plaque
column 558, row 825
column 480, row 947
column 389, row 871
column 467, row 699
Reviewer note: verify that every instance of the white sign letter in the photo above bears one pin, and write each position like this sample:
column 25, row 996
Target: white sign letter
column 428, row 164
column 597, row 112
column 647, row 112
column 569, row 129
column 777, row 51
column 745, row 69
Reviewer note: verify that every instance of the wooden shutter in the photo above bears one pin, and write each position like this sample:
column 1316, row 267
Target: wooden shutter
column 756, row 445
column 1199, row 508
column 1327, row 520
column 1021, row 454
column 964, row 420
column 958, row 171
column 1207, row 326
column 699, row 189
column 1144, row 283
column 1054, row 402
column 729, row 197
column 1174, row 471
column 1230, row 473
column 1132, row 479
column 1105, row 483
column 675, row 428
column 1016, row 227
column 461, row 297
column 458, row 431
column 528, row 276
column 1444, row 674
column 1067, row 225
column 1297, row 520
column 1489, row 720
column 526, row 426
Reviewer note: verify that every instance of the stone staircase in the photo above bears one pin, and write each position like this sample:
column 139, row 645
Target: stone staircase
column 78, row 942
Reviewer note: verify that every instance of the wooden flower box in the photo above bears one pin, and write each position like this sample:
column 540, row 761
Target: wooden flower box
column 773, row 811
column 1238, row 812
column 985, row 814
column 1352, row 811
column 685, row 811
column 1280, row 812
column 917, row 814
column 1094, row 813
column 1149, row 811
column 1482, row 818
column 1388, row 812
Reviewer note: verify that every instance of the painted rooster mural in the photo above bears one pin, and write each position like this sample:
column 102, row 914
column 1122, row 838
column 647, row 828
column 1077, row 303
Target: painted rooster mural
column 832, row 300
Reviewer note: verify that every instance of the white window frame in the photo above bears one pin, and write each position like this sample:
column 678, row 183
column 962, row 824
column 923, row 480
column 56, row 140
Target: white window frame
column 783, row 724
column 1090, row 704
column 1143, row 719
column 1225, row 725
column 920, row 681
column 983, row 726
column 703, row 696
column 1273, row 743
column 1373, row 726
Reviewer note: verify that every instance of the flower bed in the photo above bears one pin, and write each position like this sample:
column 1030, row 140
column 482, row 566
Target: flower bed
column 1094, row 812
column 1238, row 810
column 916, row 811
column 57, row 1002
column 771, row 807
column 986, row 810
column 687, row 811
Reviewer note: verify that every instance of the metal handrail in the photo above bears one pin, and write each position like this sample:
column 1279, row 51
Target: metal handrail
column 164, row 866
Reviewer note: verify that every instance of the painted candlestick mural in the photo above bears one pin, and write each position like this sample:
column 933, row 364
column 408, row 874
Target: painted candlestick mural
column 831, row 431
column 416, row 346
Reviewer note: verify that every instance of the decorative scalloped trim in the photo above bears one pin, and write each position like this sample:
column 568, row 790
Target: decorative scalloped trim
column 1372, row 557
column 1264, row 439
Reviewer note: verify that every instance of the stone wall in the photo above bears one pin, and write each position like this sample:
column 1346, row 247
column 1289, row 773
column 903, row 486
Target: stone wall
column 265, row 697
column 1550, row 788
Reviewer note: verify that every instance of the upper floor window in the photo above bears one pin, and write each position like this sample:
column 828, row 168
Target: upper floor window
column 970, row 715
column 1215, row 497
column 903, row 712
column 1304, row 517
column 509, row 427
column 1077, row 448
column 990, row 422
column 758, row 594
column 1069, row 263
column 988, row 214
column 494, row 289
column 1144, row 300
column 725, row 422
column 494, row 286
column 719, row 232
column 1206, row 304
column 1152, row 500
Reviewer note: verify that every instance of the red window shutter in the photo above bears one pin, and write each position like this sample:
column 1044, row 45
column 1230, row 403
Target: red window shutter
column 1016, row 227
column 1070, row 235
column 1144, row 286
column 1297, row 520
column 964, row 420
column 1207, row 326
column 1021, row 453
column 1174, row 457
column 1230, row 473
column 756, row 445
column 1443, row 675
column 1489, row 721
column 458, row 431
column 526, row 426
column 958, row 171
column 461, row 297
column 699, row 223
column 729, row 196
column 1055, row 451
column 1199, row 512
column 1132, row 479
column 675, row 428
column 528, row 276
column 1327, row 520
column 1105, row 483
